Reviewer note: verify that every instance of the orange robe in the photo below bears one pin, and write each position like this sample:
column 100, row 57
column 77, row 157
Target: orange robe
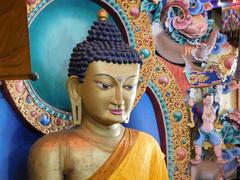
column 137, row 156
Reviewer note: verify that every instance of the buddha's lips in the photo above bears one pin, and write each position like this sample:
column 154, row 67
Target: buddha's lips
column 116, row 111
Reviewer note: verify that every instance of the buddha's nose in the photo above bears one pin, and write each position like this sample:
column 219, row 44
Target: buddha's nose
column 118, row 97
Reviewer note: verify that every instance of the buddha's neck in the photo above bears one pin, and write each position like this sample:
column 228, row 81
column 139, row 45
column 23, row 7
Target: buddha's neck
column 101, row 130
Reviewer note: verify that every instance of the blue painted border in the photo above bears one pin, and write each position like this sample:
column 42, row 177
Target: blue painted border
column 167, row 122
column 48, row 108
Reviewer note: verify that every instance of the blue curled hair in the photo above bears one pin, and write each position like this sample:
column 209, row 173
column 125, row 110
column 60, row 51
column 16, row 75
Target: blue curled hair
column 103, row 43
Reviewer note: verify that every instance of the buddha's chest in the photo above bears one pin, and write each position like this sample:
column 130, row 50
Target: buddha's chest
column 81, row 163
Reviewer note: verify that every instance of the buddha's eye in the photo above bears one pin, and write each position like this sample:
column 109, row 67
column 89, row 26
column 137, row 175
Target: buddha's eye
column 127, row 87
column 103, row 86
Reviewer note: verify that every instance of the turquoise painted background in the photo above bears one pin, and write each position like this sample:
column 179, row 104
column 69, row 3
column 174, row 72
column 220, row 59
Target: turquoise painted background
column 53, row 34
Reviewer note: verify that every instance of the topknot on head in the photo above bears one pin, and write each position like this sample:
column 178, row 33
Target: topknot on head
column 102, row 15
column 104, row 30
column 103, row 43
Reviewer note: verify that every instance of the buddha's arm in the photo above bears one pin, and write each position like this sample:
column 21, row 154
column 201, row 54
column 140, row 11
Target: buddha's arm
column 158, row 166
column 44, row 162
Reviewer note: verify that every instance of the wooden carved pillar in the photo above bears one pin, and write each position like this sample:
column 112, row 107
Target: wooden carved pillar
column 14, row 41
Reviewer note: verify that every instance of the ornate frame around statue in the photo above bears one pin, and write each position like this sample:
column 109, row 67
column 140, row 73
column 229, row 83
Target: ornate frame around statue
column 137, row 31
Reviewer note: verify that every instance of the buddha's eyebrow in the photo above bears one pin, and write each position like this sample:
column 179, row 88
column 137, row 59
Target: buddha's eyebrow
column 130, row 77
column 104, row 75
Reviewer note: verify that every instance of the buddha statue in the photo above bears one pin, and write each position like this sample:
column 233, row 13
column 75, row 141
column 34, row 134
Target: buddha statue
column 102, row 85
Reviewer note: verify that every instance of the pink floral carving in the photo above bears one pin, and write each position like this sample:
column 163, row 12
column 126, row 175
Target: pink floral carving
column 197, row 28
column 180, row 23
column 185, row 3
column 234, row 118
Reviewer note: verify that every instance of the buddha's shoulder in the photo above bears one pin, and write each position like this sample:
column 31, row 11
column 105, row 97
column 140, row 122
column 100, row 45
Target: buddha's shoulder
column 144, row 137
column 58, row 140
column 147, row 143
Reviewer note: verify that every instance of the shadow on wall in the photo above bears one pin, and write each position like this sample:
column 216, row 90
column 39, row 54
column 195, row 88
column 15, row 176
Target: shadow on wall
column 143, row 117
column 16, row 139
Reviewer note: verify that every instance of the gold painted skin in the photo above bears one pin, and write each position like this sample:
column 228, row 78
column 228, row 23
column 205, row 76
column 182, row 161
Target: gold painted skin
column 107, row 96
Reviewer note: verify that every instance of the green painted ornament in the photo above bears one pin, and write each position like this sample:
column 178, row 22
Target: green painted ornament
column 144, row 53
column 177, row 116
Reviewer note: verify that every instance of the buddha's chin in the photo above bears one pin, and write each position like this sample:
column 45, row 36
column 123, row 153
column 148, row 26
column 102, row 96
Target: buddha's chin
column 114, row 119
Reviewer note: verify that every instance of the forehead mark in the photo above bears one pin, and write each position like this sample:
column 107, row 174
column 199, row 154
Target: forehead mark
column 120, row 79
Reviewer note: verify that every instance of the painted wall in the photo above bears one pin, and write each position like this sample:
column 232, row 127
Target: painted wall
column 143, row 118
column 15, row 140
column 229, row 101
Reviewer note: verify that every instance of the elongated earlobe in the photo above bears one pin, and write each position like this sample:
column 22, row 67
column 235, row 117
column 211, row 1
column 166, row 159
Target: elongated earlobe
column 75, row 98
column 127, row 119
column 77, row 111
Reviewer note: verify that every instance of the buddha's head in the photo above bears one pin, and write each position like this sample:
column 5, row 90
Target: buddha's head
column 103, row 76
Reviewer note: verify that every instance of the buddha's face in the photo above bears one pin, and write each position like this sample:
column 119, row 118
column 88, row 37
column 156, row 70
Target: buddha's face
column 108, row 91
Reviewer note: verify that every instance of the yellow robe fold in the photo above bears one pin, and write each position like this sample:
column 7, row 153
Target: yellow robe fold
column 138, row 156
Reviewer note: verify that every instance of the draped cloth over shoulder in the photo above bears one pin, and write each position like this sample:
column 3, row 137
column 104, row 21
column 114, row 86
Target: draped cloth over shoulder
column 138, row 156
column 14, row 46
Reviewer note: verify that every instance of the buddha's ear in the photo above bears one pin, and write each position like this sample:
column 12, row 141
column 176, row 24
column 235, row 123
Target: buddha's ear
column 139, row 84
column 126, row 120
column 73, row 89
